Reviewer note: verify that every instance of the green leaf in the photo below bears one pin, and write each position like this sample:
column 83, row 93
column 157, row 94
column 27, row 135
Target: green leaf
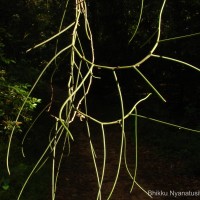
column 5, row 186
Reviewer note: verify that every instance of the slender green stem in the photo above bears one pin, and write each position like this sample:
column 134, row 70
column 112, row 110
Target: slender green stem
column 118, row 121
column 51, row 38
column 180, row 37
column 54, row 162
column 122, row 135
column 36, row 165
column 149, row 83
column 30, row 127
column 104, row 161
column 139, row 20
column 169, row 124
column 176, row 60
column 136, row 150
column 24, row 103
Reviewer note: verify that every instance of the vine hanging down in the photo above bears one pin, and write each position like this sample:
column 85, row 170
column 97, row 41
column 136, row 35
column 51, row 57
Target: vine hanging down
column 81, row 71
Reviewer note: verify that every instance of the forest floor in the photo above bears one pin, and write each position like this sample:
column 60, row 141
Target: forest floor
column 168, row 158
column 156, row 172
column 168, row 164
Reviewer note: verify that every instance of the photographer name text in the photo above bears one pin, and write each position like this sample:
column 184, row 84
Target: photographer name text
column 174, row 193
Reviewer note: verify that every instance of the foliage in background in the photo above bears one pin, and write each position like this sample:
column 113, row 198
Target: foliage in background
column 13, row 92
column 12, row 96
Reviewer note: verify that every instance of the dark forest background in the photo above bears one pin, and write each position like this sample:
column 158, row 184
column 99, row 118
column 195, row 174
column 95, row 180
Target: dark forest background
column 25, row 23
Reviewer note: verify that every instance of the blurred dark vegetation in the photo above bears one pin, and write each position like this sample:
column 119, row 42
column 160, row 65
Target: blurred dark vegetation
column 25, row 23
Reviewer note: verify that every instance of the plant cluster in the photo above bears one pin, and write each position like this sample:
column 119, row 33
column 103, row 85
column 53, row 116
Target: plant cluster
column 12, row 96
column 76, row 56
